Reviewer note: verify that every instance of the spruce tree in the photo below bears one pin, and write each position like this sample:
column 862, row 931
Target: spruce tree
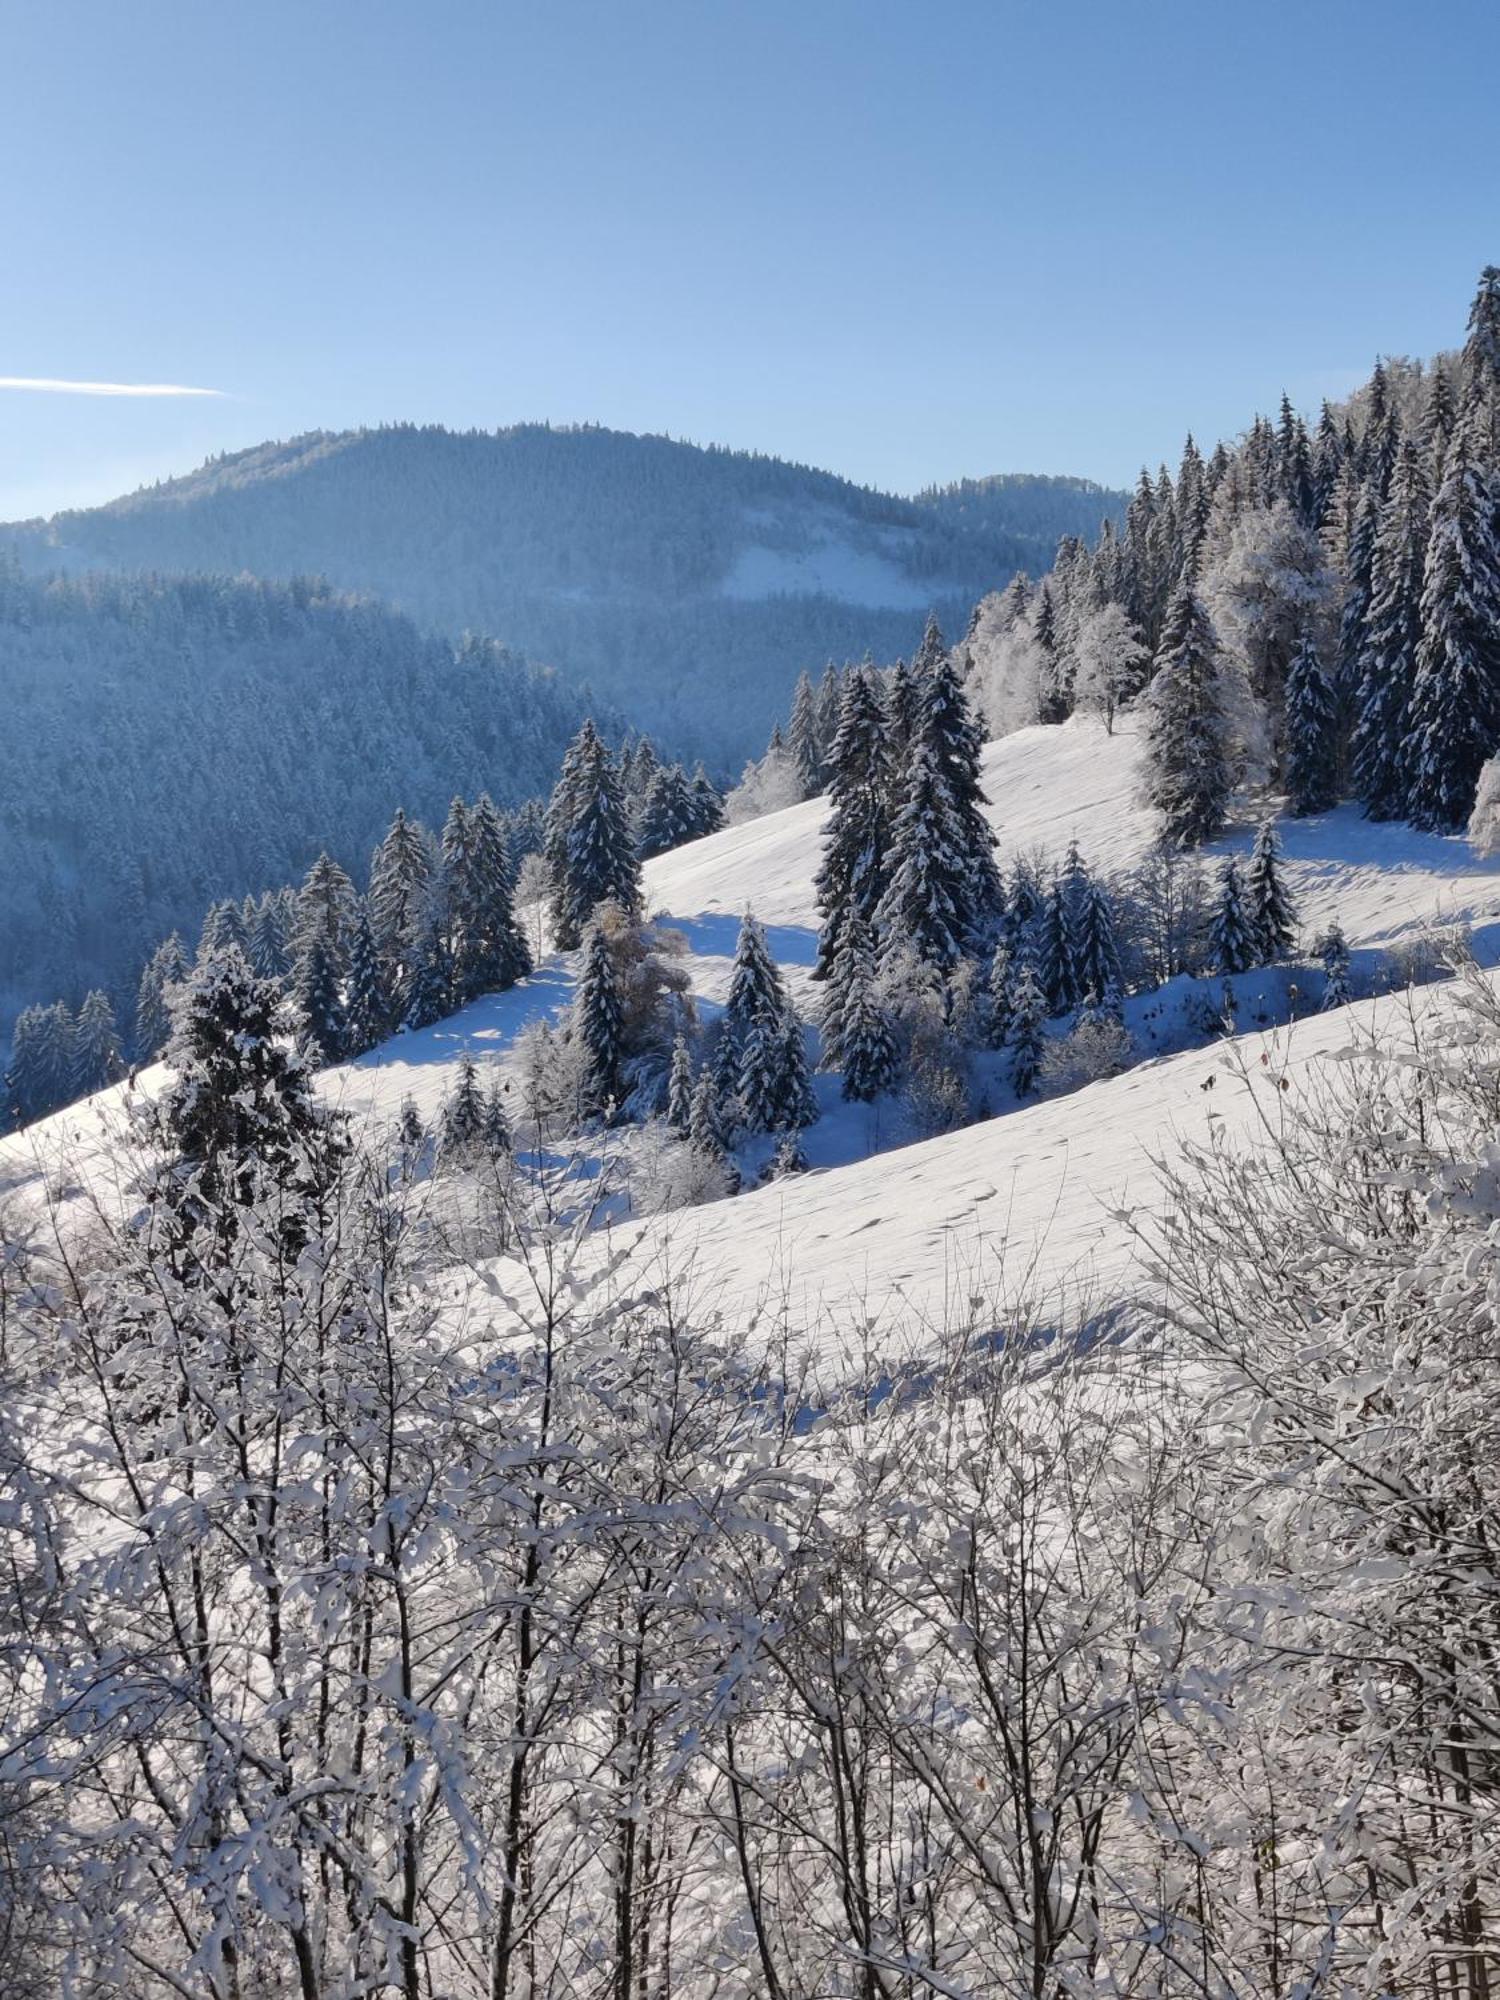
column 1359, row 566
column 460, row 902
column 680, row 1084
column 1188, row 776
column 1309, row 735
column 1481, row 363
column 708, row 804
column 868, row 1045
column 797, row 1103
column 1455, row 704
column 400, row 892
column 1055, row 968
column 498, row 952
column 496, row 1133
column 326, row 905
column 268, row 946
column 1096, row 950
column 1026, row 1036
column 1387, row 670
column 756, row 995
column 946, row 728
column 998, row 985
column 1053, row 695
column 240, row 1104
column 166, row 967
column 428, row 994
column 804, row 744
column 371, row 1004
column 1268, row 906
column 1333, row 956
column 669, row 816
column 851, row 876
column 599, row 1024
column 96, row 1046
column 1236, row 945
column 464, row 1112
column 591, row 843
column 223, row 926
column 708, row 1127
column 1024, row 910
column 318, row 990
column 925, row 904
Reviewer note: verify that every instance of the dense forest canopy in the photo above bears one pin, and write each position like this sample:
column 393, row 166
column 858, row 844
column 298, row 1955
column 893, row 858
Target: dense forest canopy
column 660, row 572
column 187, row 739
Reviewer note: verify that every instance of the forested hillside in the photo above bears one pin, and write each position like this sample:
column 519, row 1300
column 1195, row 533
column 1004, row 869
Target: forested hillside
column 174, row 741
column 693, row 584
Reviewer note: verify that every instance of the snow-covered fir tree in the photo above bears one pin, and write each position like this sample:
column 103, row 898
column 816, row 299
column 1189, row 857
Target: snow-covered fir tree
column 1380, row 745
column 1026, row 1031
column 670, row 814
column 428, row 994
column 400, row 893
column 1054, row 960
column 590, row 843
column 804, row 740
column 326, row 904
column 1310, row 743
column 1455, row 702
column 756, row 997
column 370, row 1010
column 680, row 1086
column 464, row 1111
column 852, row 874
column 1097, row 968
column 496, row 951
column 867, row 1043
column 240, row 1103
column 97, row 1060
column 268, row 938
column 709, row 1128
column 924, row 906
column 1188, row 764
column 708, row 804
column 1268, row 906
column 223, row 926
column 318, row 988
column 998, row 995
column 166, row 967
column 1332, row 952
column 1233, row 932
column 599, row 1026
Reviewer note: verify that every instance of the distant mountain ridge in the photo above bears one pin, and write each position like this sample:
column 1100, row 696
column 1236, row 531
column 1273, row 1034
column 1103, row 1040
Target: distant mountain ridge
column 686, row 584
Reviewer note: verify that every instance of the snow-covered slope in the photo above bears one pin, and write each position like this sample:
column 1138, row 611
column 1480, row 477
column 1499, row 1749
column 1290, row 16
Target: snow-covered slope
column 970, row 1211
column 1383, row 882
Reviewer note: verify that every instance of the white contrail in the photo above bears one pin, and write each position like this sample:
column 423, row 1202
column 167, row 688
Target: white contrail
column 52, row 387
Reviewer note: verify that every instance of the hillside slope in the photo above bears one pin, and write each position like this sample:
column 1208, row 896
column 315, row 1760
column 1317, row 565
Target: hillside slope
column 1030, row 1191
column 665, row 575
column 170, row 742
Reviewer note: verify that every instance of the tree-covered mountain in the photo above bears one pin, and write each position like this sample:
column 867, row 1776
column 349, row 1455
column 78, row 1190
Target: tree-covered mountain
column 173, row 741
column 689, row 585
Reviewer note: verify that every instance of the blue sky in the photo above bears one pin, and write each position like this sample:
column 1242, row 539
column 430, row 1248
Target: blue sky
column 905, row 241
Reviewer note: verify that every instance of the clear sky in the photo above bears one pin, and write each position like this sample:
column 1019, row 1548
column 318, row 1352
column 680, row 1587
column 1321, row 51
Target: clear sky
column 905, row 239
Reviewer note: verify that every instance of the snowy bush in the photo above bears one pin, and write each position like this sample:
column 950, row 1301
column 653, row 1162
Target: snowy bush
column 1096, row 1046
column 1484, row 821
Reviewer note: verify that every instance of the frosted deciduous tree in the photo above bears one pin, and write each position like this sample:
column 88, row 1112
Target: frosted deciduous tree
column 1113, row 663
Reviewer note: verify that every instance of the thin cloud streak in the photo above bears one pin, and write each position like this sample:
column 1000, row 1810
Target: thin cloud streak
column 47, row 385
